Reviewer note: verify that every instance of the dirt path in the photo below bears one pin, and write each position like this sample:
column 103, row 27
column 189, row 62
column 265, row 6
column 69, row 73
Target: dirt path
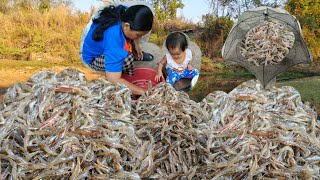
column 10, row 76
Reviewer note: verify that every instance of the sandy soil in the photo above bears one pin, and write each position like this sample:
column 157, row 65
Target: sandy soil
column 10, row 76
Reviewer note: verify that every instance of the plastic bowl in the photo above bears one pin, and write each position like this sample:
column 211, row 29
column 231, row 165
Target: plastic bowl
column 141, row 77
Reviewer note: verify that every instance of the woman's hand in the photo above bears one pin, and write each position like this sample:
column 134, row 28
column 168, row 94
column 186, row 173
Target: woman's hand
column 139, row 53
column 115, row 77
column 138, row 50
column 190, row 67
column 158, row 76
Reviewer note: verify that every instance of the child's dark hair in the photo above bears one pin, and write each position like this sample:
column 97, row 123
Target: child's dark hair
column 176, row 39
column 140, row 18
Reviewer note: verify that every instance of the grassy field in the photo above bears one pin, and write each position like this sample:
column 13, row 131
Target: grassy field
column 309, row 89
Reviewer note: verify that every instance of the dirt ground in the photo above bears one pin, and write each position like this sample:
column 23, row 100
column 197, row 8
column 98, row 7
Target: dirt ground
column 10, row 76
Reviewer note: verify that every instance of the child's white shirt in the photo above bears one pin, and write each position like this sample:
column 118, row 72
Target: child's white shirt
column 173, row 65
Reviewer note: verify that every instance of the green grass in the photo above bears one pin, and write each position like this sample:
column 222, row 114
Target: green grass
column 309, row 89
column 292, row 74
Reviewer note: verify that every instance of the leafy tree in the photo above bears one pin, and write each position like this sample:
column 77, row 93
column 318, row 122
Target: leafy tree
column 212, row 35
column 55, row 3
column 234, row 8
column 44, row 5
column 24, row 4
column 167, row 9
column 4, row 7
column 308, row 14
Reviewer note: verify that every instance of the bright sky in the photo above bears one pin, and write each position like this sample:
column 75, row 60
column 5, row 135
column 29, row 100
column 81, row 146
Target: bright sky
column 193, row 9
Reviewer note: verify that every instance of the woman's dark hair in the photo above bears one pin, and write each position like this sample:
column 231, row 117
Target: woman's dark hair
column 140, row 18
column 176, row 39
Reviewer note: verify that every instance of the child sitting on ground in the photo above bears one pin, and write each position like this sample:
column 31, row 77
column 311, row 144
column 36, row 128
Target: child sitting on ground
column 178, row 60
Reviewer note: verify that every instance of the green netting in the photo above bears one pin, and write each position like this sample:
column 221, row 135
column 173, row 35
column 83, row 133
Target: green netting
column 299, row 53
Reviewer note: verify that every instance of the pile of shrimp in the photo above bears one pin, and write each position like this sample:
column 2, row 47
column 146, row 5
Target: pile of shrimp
column 258, row 133
column 62, row 126
column 267, row 43
column 170, row 124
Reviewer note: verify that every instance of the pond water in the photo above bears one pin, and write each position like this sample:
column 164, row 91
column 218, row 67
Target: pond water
column 210, row 83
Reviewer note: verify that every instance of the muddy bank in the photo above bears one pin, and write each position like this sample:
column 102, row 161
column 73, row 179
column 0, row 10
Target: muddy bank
column 3, row 90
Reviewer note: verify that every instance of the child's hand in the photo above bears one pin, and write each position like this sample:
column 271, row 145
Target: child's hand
column 158, row 76
column 190, row 67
